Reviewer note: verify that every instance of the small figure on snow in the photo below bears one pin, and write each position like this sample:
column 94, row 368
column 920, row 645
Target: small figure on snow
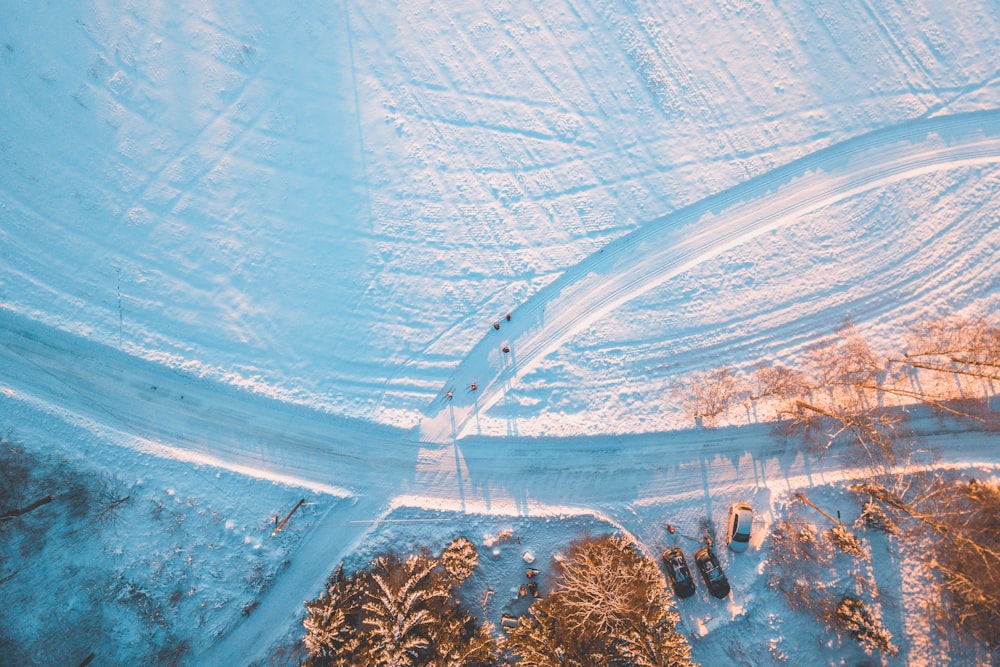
column 448, row 395
column 496, row 325
column 473, row 387
column 508, row 317
column 506, row 349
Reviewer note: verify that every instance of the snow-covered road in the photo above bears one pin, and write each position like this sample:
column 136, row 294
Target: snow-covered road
column 149, row 406
column 644, row 259
column 113, row 394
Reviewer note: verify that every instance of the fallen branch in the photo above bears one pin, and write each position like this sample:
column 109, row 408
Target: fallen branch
column 976, row 362
column 958, row 360
column 13, row 514
column 813, row 505
column 920, row 397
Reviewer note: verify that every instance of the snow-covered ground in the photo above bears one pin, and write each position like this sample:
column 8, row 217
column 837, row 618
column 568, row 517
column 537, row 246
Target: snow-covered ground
column 245, row 248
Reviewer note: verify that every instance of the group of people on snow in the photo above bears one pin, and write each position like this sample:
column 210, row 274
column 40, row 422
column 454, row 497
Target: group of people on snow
column 449, row 395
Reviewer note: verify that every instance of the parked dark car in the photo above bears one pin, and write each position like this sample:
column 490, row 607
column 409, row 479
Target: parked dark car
column 711, row 572
column 678, row 572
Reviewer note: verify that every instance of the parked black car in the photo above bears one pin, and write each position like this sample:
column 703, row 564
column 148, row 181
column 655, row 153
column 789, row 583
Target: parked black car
column 678, row 572
column 711, row 572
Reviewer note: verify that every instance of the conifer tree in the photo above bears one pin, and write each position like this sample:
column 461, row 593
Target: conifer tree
column 400, row 613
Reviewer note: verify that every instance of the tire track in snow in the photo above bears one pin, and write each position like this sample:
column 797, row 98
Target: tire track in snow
column 641, row 260
column 789, row 324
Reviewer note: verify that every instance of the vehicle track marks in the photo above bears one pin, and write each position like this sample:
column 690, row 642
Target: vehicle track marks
column 637, row 262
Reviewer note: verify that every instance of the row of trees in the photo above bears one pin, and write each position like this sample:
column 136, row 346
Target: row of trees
column 844, row 391
column 950, row 364
column 608, row 607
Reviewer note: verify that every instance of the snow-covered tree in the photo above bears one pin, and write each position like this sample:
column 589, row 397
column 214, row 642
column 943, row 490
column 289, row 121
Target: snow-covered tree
column 460, row 559
column 401, row 602
column 399, row 612
column 332, row 636
column 966, row 517
column 856, row 617
column 609, row 606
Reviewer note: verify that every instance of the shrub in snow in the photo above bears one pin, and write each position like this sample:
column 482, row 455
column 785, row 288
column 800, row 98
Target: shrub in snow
column 847, row 542
column 608, row 606
column 505, row 535
column 798, row 560
column 707, row 396
column 111, row 498
column 874, row 516
column 399, row 613
column 855, row 617
column 460, row 559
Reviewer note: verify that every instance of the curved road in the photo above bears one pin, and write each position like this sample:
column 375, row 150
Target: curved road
column 645, row 258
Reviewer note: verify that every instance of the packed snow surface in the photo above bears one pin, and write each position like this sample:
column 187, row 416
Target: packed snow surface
column 269, row 238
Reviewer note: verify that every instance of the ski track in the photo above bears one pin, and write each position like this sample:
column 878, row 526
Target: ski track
column 144, row 404
column 641, row 260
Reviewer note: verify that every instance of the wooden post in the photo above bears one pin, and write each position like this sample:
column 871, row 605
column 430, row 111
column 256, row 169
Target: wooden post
column 285, row 520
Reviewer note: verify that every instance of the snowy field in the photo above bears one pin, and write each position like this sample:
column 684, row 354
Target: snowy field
column 246, row 248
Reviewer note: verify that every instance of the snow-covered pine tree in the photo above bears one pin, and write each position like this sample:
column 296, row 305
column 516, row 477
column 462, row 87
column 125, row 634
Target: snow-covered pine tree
column 536, row 641
column 856, row 617
column 331, row 623
column 460, row 641
column 460, row 559
column 399, row 613
column 401, row 602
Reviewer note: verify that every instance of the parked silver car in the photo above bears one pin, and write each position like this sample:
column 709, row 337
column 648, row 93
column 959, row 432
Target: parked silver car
column 740, row 521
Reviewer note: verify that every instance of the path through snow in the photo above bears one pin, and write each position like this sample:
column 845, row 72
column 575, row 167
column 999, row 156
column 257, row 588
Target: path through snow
column 146, row 405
